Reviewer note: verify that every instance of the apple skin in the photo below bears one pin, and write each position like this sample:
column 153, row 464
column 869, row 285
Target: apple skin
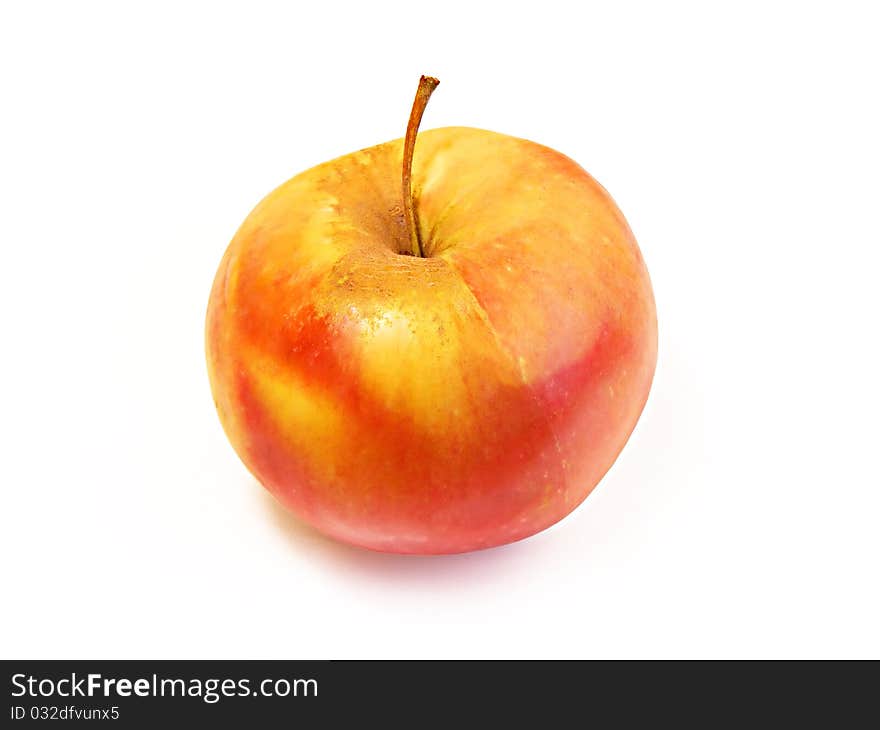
column 442, row 404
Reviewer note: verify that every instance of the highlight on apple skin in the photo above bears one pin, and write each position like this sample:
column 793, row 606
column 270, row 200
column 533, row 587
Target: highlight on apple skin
column 461, row 398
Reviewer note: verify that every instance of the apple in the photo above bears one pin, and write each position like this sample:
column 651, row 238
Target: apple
column 435, row 352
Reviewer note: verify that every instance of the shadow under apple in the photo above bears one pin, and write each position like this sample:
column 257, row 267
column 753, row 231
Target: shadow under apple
column 476, row 566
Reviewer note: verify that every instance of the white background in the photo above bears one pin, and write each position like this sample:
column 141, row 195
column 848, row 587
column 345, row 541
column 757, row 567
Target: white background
column 742, row 144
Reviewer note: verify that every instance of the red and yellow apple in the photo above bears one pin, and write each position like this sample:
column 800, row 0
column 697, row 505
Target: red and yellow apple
column 467, row 396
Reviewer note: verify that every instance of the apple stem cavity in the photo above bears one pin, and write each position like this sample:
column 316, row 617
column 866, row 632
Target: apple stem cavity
column 427, row 84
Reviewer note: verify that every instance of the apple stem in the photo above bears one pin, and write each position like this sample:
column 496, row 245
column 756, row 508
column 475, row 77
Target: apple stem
column 427, row 84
